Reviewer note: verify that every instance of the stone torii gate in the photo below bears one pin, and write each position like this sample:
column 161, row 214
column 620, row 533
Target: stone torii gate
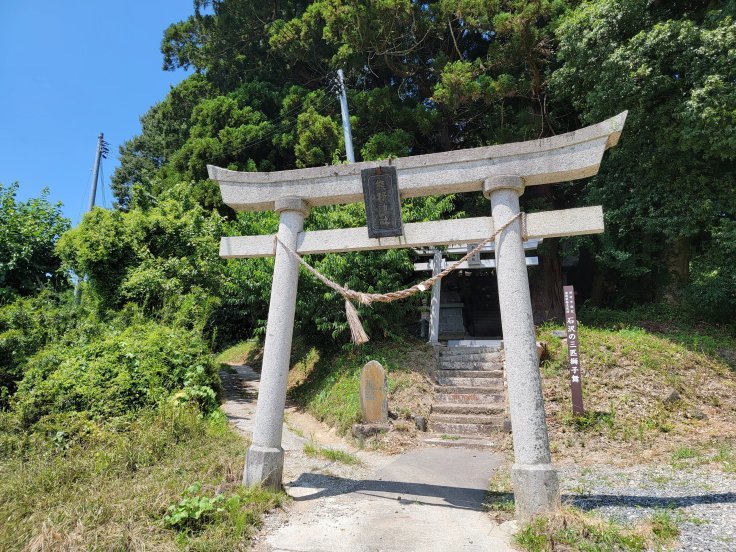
column 501, row 173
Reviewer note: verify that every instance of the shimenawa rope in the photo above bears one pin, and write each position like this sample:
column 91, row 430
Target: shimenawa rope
column 356, row 328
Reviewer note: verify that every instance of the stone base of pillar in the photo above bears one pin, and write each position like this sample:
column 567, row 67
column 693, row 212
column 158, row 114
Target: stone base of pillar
column 536, row 490
column 264, row 466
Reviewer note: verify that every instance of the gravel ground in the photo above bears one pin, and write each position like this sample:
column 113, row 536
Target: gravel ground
column 702, row 501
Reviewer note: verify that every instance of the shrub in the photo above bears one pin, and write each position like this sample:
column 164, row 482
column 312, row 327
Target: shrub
column 27, row 325
column 123, row 370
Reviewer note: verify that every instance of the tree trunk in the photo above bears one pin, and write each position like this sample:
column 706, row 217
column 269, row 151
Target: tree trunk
column 546, row 289
column 597, row 288
column 678, row 267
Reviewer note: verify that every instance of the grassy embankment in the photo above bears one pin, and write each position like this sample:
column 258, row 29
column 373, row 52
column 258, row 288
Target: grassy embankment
column 657, row 389
column 327, row 383
column 656, row 383
column 124, row 487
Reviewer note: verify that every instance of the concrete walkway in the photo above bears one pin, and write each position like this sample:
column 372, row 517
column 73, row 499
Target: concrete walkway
column 428, row 499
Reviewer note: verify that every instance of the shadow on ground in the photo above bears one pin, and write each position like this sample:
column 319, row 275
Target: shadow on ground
column 403, row 492
column 593, row 501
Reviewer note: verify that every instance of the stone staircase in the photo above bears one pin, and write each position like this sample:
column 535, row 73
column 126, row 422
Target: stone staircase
column 470, row 399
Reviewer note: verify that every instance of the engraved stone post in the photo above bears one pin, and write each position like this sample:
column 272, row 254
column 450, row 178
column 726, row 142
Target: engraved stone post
column 373, row 399
column 536, row 488
column 265, row 459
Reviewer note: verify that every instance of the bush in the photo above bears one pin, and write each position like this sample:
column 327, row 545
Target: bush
column 28, row 233
column 125, row 369
column 27, row 325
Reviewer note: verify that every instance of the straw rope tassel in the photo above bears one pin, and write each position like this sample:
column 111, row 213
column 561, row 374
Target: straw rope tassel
column 356, row 327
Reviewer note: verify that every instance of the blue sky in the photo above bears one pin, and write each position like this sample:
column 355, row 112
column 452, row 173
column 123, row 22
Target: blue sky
column 69, row 70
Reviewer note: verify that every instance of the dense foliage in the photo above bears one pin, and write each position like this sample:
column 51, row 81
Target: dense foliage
column 28, row 232
column 422, row 77
column 434, row 76
column 668, row 190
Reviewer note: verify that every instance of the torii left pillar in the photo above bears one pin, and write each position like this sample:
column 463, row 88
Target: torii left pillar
column 264, row 462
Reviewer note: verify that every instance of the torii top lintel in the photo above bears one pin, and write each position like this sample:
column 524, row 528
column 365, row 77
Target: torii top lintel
column 559, row 158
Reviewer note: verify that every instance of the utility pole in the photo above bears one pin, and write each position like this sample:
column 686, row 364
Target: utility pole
column 102, row 151
column 347, row 131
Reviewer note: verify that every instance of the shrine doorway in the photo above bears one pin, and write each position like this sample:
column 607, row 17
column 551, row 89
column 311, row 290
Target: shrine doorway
column 469, row 307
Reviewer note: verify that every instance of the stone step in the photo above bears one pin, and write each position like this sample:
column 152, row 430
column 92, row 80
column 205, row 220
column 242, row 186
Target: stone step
column 497, row 418
column 478, row 357
column 465, row 429
column 477, row 374
column 458, row 441
column 492, row 387
column 449, row 351
column 472, row 363
column 463, row 408
column 496, row 383
column 468, row 397
column 469, row 382
column 471, row 367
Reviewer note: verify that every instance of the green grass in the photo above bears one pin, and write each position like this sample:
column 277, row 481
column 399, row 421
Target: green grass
column 499, row 499
column 573, row 529
column 726, row 457
column 314, row 451
column 241, row 353
column 328, row 385
column 684, row 453
column 664, row 525
column 628, row 373
column 676, row 325
column 112, row 489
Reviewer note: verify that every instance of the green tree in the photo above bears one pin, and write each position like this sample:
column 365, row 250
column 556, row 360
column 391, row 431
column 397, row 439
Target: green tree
column 670, row 184
column 28, row 233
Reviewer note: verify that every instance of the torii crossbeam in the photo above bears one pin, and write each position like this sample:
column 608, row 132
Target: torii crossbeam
column 501, row 173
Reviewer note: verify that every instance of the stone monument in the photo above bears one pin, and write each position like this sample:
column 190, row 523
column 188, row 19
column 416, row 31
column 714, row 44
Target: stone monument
column 373, row 394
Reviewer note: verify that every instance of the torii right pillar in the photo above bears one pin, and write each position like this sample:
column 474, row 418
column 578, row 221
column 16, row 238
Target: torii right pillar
column 536, row 486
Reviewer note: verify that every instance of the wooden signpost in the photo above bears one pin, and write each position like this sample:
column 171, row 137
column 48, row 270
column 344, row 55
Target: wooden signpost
column 573, row 352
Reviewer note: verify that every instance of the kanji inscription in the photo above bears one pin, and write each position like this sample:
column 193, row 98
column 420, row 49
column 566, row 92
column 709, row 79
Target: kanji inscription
column 573, row 357
column 382, row 202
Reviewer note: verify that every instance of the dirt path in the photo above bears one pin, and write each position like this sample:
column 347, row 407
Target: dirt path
column 428, row 499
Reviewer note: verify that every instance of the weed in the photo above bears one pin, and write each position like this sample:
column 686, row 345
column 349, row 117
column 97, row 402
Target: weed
column 684, row 453
column 726, row 457
column 499, row 502
column 592, row 420
column 499, row 497
column 403, row 426
column 111, row 490
column 449, row 437
column 314, row 451
column 664, row 525
column 194, row 511
column 573, row 529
